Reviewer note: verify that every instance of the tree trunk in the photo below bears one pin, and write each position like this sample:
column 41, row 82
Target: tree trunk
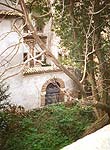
column 100, row 55
column 95, row 92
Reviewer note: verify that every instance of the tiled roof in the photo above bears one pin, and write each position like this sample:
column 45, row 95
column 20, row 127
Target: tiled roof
column 39, row 70
column 10, row 13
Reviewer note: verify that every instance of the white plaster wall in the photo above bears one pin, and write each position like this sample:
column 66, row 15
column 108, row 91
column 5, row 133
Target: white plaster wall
column 52, row 40
column 9, row 38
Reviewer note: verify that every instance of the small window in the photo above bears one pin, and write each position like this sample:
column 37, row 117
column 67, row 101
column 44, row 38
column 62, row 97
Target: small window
column 38, row 58
column 25, row 56
column 31, row 63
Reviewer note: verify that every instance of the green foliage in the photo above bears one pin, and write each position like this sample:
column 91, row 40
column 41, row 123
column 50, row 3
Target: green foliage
column 50, row 128
column 39, row 8
column 72, row 23
column 4, row 95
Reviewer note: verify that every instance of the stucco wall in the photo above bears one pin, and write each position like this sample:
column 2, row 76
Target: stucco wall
column 8, row 42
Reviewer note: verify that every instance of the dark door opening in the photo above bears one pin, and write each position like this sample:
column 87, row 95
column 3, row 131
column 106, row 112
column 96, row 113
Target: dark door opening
column 52, row 93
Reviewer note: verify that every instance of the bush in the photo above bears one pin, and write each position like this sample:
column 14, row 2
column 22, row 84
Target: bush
column 4, row 95
column 50, row 128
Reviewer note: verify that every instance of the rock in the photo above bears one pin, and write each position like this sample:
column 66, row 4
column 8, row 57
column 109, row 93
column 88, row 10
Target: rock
column 99, row 140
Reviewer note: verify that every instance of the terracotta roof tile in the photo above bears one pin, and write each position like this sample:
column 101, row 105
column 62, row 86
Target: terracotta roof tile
column 10, row 13
column 39, row 70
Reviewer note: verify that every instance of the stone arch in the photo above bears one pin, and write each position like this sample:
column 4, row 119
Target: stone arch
column 43, row 90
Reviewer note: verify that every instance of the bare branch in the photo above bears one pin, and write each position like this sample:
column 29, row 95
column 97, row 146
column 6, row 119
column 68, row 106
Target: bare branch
column 13, row 8
column 41, row 16
column 95, row 13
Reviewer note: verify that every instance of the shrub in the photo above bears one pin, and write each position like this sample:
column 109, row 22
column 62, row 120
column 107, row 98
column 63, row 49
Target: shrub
column 50, row 128
column 4, row 95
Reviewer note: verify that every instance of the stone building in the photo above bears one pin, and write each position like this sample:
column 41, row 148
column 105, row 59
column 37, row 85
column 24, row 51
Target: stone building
column 36, row 84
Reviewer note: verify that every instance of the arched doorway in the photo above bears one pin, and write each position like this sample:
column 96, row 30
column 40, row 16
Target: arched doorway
column 51, row 90
column 52, row 93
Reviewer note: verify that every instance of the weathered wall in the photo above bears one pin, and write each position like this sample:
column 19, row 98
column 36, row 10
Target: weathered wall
column 9, row 40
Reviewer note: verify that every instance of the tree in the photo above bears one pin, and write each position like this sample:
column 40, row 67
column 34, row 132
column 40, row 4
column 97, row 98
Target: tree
column 85, row 24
